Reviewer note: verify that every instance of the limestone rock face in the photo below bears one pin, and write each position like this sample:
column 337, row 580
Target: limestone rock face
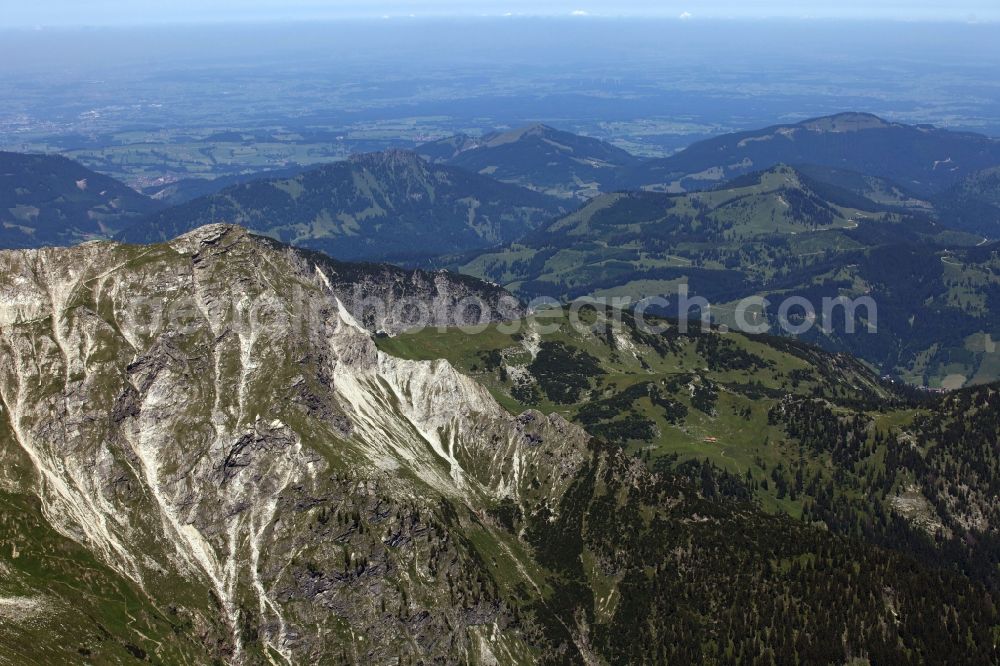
column 211, row 420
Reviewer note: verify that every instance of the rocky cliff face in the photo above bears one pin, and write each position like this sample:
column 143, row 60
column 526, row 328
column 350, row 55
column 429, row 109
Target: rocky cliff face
column 388, row 300
column 209, row 419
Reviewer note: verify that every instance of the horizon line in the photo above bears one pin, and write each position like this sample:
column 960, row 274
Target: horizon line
column 582, row 18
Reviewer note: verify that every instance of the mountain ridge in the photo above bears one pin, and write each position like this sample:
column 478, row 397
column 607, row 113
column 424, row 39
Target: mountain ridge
column 923, row 158
column 536, row 156
column 383, row 206
column 777, row 234
column 50, row 199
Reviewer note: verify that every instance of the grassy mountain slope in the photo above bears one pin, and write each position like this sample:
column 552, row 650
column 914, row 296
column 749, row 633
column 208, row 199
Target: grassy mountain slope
column 879, row 191
column 778, row 234
column 381, row 206
column 920, row 158
column 670, row 395
column 974, row 204
column 778, row 212
column 50, row 200
column 539, row 157
column 798, row 430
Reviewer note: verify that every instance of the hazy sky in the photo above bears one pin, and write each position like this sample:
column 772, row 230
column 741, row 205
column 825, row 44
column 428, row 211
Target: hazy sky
column 32, row 13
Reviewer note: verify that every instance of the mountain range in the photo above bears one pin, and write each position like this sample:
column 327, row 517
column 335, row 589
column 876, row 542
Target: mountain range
column 920, row 158
column 778, row 234
column 868, row 207
column 208, row 456
column 390, row 206
column 949, row 175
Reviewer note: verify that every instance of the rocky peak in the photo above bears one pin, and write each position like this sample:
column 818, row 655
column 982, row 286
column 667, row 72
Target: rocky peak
column 181, row 408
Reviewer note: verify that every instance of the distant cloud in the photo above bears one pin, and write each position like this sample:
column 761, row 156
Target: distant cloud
column 685, row 16
column 579, row 12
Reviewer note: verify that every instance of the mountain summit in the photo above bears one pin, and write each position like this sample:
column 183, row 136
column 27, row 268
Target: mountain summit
column 536, row 156
column 921, row 158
